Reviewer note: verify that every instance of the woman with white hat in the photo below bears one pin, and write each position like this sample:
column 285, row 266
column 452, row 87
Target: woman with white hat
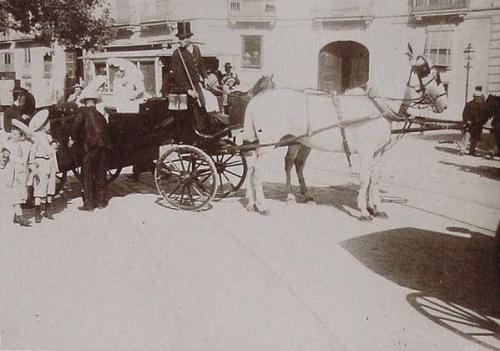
column 43, row 165
column 14, row 169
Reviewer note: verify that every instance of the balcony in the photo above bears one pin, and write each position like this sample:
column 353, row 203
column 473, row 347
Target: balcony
column 432, row 8
column 263, row 11
column 343, row 11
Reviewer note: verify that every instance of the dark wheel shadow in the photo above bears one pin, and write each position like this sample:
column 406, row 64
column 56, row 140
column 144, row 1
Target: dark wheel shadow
column 456, row 275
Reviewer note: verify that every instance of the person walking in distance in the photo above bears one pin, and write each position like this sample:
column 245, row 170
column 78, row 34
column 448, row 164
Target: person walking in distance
column 474, row 117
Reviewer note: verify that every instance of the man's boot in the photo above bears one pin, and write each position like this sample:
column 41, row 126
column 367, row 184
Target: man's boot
column 47, row 213
column 38, row 214
column 23, row 222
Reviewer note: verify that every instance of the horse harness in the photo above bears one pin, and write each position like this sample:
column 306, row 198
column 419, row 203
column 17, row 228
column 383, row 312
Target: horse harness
column 340, row 116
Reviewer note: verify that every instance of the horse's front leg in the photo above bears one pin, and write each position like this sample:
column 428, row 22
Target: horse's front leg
column 365, row 171
column 300, row 162
column 291, row 155
column 374, row 202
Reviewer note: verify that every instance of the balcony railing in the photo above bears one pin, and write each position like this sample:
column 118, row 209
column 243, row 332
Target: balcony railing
column 426, row 8
column 343, row 11
column 252, row 10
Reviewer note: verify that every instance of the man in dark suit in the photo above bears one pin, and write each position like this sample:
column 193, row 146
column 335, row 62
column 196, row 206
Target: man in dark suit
column 474, row 117
column 189, row 74
column 90, row 132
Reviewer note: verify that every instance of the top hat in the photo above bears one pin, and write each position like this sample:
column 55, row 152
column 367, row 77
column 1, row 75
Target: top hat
column 21, row 126
column 183, row 30
column 39, row 120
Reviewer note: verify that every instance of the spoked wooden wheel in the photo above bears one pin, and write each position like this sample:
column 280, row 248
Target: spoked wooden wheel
column 186, row 177
column 231, row 169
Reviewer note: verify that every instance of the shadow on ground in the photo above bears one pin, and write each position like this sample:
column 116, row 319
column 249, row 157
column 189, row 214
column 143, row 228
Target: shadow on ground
column 483, row 171
column 456, row 276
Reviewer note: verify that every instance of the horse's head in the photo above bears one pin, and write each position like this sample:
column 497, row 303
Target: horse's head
column 424, row 86
column 264, row 83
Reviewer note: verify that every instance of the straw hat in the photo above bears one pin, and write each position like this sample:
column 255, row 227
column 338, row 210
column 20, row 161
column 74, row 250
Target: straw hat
column 39, row 120
column 21, row 126
column 90, row 96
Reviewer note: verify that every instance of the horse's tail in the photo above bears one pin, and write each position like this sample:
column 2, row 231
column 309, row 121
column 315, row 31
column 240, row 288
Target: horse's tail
column 249, row 129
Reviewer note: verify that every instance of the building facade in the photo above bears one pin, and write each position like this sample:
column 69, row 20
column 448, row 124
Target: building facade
column 43, row 70
column 324, row 44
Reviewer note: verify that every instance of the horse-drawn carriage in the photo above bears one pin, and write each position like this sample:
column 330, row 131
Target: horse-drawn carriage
column 194, row 166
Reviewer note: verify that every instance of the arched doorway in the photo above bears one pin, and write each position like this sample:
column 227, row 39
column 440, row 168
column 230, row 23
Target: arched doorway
column 343, row 65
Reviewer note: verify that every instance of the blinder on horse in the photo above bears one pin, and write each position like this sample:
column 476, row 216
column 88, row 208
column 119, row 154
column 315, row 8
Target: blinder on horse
column 430, row 89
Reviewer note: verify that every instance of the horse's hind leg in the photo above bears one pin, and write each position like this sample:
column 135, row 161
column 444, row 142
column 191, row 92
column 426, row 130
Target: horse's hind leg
column 251, row 159
column 290, row 158
column 300, row 162
column 259, row 188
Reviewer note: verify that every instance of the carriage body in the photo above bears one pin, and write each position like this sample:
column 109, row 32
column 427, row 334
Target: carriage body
column 136, row 139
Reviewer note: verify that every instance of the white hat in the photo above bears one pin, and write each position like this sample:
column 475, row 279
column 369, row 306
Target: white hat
column 38, row 120
column 90, row 96
column 21, row 126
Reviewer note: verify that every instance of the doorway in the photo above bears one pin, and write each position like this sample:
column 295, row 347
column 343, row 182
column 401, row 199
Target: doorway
column 343, row 65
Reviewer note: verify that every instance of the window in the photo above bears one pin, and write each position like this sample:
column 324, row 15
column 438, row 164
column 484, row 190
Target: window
column 47, row 66
column 438, row 45
column 7, row 58
column 251, row 51
column 27, row 56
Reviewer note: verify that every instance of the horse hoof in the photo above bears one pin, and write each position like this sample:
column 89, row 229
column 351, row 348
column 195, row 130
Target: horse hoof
column 381, row 214
column 371, row 211
column 308, row 198
column 289, row 198
column 250, row 207
column 264, row 212
column 366, row 218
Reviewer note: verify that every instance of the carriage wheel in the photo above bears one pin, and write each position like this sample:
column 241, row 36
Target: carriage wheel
column 186, row 177
column 61, row 178
column 111, row 174
column 231, row 169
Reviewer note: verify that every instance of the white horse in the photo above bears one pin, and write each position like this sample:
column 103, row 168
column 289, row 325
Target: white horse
column 312, row 121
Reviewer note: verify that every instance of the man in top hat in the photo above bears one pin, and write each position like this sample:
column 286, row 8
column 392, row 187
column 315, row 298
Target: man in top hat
column 77, row 92
column 189, row 73
column 474, row 117
column 229, row 81
column 90, row 132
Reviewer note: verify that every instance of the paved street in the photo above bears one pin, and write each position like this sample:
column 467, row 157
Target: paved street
column 140, row 276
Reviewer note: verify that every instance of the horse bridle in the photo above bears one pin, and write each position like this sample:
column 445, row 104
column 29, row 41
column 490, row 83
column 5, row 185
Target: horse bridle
column 423, row 99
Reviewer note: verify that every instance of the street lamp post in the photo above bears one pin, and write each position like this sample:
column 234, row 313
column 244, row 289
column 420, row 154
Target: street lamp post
column 469, row 50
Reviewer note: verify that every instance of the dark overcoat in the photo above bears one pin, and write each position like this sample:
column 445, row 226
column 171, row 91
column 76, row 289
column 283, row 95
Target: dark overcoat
column 194, row 65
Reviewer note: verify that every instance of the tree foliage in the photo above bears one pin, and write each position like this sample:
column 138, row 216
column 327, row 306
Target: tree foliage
column 73, row 23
